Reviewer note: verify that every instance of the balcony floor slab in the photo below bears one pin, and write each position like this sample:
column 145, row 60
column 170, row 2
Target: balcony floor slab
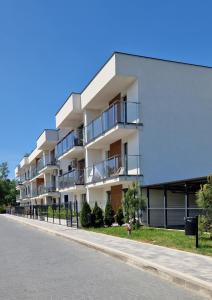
column 72, row 153
column 118, row 132
column 114, row 181
column 48, row 168
column 74, row 188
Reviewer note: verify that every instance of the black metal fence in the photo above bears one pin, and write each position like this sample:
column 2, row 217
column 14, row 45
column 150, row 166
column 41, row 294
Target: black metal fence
column 63, row 214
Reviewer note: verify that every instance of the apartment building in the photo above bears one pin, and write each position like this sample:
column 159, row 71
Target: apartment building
column 37, row 172
column 138, row 119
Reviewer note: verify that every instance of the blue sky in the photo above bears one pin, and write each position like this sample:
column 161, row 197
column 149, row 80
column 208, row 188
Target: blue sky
column 50, row 48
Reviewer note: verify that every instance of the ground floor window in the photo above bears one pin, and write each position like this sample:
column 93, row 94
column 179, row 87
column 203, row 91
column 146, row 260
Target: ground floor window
column 83, row 198
column 65, row 198
column 108, row 196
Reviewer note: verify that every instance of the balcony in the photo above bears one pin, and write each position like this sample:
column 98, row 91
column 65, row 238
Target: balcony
column 71, row 179
column 46, row 165
column 48, row 139
column 70, row 114
column 120, row 119
column 22, row 197
column 42, row 189
column 71, row 145
column 34, row 173
column 23, row 178
column 17, row 171
column 118, row 168
column 24, row 162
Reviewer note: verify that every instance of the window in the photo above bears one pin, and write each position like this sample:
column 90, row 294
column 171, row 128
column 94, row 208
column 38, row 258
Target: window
column 83, row 198
column 65, row 198
column 108, row 196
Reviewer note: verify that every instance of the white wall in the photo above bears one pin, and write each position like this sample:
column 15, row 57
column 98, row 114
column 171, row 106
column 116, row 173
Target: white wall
column 176, row 110
column 96, row 195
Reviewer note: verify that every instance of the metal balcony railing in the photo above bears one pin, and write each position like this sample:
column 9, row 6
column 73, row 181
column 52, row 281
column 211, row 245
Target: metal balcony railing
column 75, row 177
column 126, row 165
column 120, row 112
column 74, row 138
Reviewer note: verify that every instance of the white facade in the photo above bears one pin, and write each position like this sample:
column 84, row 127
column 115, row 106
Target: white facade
column 139, row 119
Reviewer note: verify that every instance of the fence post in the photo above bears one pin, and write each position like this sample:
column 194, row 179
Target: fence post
column 76, row 206
column 53, row 212
column 71, row 216
column 59, row 214
column 66, row 208
column 47, row 213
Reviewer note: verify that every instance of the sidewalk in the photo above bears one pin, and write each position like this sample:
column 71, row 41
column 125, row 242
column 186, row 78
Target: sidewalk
column 183, row 268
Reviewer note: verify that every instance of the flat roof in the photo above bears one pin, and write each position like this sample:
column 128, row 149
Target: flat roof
column 178, row 184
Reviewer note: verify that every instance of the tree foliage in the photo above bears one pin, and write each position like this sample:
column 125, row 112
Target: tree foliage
column 120, row 216
column 7, row 186
column 133, row 203
column 4, row 171
column 109, row 214
column 97, row 216
column 204, row 200
column 85, row 215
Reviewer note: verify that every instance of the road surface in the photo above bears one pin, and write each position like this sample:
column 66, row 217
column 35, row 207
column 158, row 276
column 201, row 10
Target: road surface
column 37, row 265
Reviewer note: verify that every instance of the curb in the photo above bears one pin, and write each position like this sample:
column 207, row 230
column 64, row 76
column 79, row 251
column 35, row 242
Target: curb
column 175, row 277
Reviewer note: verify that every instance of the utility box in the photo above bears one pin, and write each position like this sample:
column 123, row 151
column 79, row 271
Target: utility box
column 191, row 225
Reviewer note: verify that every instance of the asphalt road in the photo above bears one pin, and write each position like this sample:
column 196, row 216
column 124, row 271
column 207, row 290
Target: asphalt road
column 37, row 265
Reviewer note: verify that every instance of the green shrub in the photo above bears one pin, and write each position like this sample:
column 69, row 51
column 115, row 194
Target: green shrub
column 109, row 214
column 85, row 215
column 2, row 210
column 97, row 217
column 120, row 216
column 204, row 201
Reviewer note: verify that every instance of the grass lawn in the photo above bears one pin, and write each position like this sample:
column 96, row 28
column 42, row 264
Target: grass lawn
column 163, row 237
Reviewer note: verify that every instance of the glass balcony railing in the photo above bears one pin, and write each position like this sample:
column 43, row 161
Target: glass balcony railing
column 75, row 177
column 127, row 165
column 41, row 164
column 121, row 112
column 23, row 178
column 24, row 195
column 34, row 172
column 45, row 189
column 74, row 138
column 34, row 193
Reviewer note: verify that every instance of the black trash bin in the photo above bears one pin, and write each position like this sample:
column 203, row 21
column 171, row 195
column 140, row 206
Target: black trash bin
column 191, row 225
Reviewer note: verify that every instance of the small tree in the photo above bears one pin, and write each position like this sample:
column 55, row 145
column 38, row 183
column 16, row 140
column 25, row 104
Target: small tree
column 85, row 215
column 133, row 203
column 204, row 200
column 4, row 171
column 109, row 214
column 120, row 216
column 98, row 219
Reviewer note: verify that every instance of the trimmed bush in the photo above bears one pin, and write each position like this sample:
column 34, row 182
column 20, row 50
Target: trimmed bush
column 109, row 214
column 85, row 215
column 98, row 219
column 120, row 216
